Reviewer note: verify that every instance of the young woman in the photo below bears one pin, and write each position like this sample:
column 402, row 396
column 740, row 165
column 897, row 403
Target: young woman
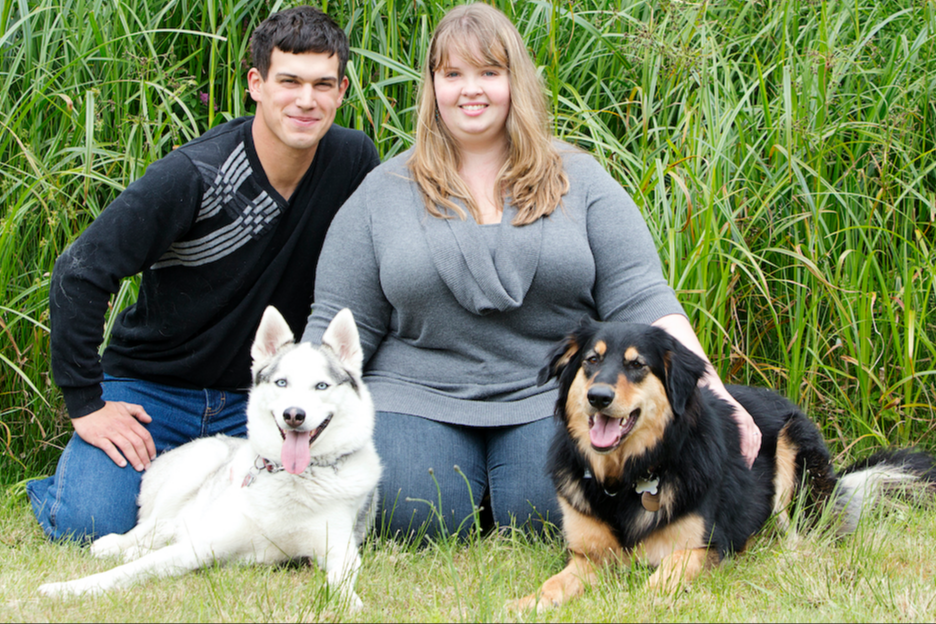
column 464, row 261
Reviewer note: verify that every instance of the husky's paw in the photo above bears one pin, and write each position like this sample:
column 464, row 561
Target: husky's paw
column 69, row 588
column 107, row 546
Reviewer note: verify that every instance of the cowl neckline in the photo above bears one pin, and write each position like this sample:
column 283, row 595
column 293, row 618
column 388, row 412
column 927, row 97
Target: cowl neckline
column 482, row 281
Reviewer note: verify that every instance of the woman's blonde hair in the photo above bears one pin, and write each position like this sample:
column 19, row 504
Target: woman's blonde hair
column 532, row 178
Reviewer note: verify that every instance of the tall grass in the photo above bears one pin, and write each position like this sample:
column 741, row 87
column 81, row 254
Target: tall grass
column 781, row 150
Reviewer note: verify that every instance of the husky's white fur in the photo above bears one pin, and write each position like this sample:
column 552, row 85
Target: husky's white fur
column 303, row 483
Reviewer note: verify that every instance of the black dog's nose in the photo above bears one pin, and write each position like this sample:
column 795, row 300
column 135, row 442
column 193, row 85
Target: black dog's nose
column 294, row 416
column 600, row 397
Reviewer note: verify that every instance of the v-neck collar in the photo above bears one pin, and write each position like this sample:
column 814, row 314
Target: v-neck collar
column 261, row 174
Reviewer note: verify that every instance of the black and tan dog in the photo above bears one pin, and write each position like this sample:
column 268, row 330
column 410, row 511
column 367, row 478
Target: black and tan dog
column 648, row 465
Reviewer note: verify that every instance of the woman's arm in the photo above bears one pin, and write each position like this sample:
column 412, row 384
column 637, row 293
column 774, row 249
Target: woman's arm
column 348, row 276
column 678, row 326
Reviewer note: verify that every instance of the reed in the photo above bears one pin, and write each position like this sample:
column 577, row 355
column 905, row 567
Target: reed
column 781, row 150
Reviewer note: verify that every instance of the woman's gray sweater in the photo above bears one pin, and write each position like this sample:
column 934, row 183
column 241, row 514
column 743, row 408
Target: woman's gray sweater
column 456, row 319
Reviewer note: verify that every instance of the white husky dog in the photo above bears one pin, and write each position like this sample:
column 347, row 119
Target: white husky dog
column 303, row 483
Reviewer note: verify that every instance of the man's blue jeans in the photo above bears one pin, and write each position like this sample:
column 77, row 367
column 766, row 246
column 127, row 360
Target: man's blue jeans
column 90, row 496
column 508, row 463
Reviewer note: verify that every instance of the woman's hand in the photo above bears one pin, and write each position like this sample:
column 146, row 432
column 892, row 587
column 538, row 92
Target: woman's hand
column 678, row 326
column 750, row 434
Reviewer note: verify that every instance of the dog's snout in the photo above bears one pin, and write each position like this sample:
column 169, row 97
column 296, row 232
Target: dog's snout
column 600, row 396
column 294, row 416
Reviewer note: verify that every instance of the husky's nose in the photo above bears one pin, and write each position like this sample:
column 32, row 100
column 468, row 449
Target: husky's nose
column 294, row 416
column 600, row 396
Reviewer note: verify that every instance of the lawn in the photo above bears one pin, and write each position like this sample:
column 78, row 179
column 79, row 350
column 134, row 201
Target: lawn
column 885, row 572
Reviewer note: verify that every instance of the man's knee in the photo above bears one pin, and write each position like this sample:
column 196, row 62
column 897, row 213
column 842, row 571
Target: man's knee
column 89, row 496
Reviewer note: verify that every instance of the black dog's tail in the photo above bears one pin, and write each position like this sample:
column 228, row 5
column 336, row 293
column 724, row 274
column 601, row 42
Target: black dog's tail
column 892, row 472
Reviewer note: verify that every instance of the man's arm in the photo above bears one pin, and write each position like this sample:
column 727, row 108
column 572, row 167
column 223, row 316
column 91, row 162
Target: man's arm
column 128, row 236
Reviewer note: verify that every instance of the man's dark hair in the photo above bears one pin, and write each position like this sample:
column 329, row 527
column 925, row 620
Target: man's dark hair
column 297, row 31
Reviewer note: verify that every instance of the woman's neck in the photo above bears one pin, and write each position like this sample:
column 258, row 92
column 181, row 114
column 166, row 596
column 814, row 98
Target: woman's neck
column 479, row 169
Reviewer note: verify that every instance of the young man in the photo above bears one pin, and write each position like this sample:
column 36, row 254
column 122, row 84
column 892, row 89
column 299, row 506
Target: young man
column 220, row 228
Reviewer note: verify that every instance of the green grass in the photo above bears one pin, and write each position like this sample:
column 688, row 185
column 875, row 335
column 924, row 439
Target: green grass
column 884, row 572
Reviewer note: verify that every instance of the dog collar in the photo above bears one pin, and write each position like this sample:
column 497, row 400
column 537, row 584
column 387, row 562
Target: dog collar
column 647, row 487
column 262, row 464
column 588, row 475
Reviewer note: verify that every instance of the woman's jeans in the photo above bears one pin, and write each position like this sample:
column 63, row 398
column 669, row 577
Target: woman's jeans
column 90, row 496
column 422, row 495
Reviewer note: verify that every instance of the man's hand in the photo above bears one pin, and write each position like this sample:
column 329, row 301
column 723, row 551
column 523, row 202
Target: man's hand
column 116, row 428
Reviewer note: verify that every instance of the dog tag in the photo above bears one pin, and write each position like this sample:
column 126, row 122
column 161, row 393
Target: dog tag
column 650, row 502
column 647, row 485
column 649, row 494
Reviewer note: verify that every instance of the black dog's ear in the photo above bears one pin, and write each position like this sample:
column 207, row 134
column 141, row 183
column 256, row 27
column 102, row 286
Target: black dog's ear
column 559, row 358
column 684, row 369
column 566, row 350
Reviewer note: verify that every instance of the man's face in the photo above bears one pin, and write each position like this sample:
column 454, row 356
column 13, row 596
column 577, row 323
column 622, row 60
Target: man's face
column 296, row 104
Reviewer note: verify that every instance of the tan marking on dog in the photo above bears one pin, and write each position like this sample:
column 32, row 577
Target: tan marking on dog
column 601, row 347
column 587, row 535
column 680, row 568
column 560, row 588
column 784, row 477
column 604, row 467
column 685, row 534
column 631, row 354
column 655, row 415
column 571, row 490
column 571, row 350
column 667, row 500
column 592, row 543
column 644, row 521
column 577, row 413
column 679, row 550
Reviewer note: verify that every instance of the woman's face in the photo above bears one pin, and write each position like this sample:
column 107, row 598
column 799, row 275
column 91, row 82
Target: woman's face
column 473, row 102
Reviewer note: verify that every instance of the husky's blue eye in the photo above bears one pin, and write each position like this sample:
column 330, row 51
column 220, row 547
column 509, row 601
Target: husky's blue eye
column 281, row 383
column 321, row 386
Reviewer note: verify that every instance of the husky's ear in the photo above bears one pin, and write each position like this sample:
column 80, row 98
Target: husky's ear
column 342, row 336
column 684, row 369
column 272, row 335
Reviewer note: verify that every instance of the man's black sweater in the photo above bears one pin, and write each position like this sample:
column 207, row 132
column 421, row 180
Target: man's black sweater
column 216, row 244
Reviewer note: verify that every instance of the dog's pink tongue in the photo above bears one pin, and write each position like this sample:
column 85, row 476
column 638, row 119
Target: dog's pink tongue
column 295, row 454
column 605, row 432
